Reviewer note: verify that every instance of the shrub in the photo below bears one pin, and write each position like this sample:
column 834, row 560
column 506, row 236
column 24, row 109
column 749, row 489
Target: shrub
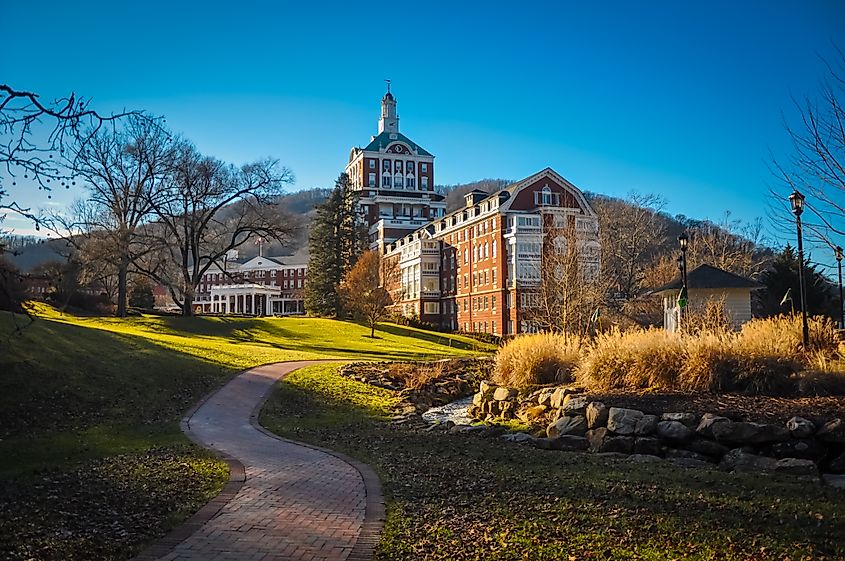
column 541, row 358
column 635, row 359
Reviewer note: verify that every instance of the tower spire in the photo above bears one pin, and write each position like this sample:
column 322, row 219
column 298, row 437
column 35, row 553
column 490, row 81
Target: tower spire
column 389, row 120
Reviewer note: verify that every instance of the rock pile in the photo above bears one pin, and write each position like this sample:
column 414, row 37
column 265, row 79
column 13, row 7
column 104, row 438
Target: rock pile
column 422, row 385
column 567, row 419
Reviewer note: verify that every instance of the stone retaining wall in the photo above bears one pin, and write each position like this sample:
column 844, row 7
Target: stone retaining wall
column 565, row 418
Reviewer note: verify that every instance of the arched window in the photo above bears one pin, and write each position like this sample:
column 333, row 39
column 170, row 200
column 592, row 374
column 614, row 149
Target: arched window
column 547, row 195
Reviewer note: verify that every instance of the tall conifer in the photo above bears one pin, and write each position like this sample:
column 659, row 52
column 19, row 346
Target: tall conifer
column 336, row 241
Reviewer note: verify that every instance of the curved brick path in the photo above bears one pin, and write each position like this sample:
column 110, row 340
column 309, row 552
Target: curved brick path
column 296, row 502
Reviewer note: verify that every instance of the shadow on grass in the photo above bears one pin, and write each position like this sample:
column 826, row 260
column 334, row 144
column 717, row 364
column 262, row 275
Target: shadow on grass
column 444, row 487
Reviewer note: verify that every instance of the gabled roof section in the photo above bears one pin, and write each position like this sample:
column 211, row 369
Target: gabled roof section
column 258, row 262
column 551, row 174
column 708, row 276
column 383, row 140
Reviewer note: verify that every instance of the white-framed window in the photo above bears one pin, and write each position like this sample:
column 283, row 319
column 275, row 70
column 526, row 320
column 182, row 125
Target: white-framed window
column 493, row 276
column 494, row 248
column 547, row 195
column 493, row 327
column 372, row 164
column 299, row 283
column 431, row 307
column 371, row 180
column 492, row 302
column 424, row 182
column 385, row 181
column 424, row 167
column 411, row 182
column 285, row 284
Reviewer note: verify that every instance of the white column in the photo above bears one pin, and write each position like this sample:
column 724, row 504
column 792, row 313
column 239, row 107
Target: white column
column 269, row 306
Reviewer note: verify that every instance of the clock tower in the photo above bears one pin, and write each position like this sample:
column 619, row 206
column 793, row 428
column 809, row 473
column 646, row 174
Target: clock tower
column 395, row 178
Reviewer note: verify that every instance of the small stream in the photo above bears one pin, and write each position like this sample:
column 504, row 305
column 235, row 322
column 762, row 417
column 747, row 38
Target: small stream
column 455, row 412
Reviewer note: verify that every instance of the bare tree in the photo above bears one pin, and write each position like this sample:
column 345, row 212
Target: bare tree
column 123, row 168
column 632, row 234
column 364, row 291
column 729, row 245
column 816, row 165
column 570, row 289
column 34, row 137
column 206, row 209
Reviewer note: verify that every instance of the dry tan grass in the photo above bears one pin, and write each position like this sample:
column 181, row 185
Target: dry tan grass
column 541, row 358
column 637, row 358
column 416, row 376
column 765, row 357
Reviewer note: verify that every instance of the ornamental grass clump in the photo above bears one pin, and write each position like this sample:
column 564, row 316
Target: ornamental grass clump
column 634, row 359
column 540, row 358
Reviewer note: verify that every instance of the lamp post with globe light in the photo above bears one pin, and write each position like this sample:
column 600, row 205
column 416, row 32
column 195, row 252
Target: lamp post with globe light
column 796, row 199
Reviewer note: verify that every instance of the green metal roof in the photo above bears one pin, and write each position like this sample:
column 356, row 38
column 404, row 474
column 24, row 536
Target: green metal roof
column 384, row 139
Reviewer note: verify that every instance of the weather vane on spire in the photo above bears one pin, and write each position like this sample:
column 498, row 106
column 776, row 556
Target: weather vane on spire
column 388, row 84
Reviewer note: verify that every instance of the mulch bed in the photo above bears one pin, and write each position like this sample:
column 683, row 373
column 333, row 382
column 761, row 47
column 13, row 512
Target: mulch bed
column 739, row 407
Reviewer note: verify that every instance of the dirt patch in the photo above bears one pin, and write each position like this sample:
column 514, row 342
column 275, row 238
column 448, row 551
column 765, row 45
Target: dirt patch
column 739, row 407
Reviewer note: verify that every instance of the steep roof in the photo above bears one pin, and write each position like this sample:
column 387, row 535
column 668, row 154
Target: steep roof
column 708, row 276
column 383, row 140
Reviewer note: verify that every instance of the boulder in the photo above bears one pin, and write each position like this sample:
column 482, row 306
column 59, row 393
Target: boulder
column 545, row 397
column 806, row 449
column 573, row 405
column 749, row 433
column 796, row 466
column 484, row 386
column 530, row 414
column 518, row 437
column 707, row 447
column 569, row 443
column 601, row 440
column 740, row 460
column 506, row 409
column 708, row 420
column 576, row 425
column 558, row 396
column 596, row 414
column 647, row 425
column 832, row 431
column 478, row 399
column 648, row 446
column 673, row 453
column 623, row 421
column 674, row 431
column 504, row 394
column 837, row 464
column 799, row 427
column 688, row 419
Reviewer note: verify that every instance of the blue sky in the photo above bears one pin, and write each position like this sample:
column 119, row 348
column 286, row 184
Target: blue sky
column 681, row 99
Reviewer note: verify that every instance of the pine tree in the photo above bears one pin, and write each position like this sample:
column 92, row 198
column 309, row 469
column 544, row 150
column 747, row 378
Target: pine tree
column 782, row 278
column 336, row 241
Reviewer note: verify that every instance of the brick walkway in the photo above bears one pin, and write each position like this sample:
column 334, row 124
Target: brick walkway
column 296, row 502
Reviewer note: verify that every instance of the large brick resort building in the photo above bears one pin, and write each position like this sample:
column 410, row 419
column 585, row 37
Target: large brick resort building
column 474, row 269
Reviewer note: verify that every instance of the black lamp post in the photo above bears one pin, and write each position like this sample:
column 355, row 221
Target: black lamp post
column 797, row 201
column 838, row 251
column 683, row 300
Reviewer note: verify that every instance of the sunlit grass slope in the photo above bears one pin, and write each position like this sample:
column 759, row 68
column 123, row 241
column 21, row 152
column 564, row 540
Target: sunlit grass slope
column 75, row 388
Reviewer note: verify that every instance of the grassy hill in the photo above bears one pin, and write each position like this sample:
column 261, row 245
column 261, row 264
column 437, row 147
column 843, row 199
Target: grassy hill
column 90, row 409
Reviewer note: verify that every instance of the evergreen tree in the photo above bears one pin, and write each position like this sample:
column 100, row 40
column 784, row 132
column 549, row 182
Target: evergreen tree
column 782, row 278
column 336, row 240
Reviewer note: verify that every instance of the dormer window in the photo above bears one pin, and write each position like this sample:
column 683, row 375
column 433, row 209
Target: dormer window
column 547, row 196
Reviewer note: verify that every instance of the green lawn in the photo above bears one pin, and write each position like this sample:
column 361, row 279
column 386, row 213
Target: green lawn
column 103, row 396
column 461, row 497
